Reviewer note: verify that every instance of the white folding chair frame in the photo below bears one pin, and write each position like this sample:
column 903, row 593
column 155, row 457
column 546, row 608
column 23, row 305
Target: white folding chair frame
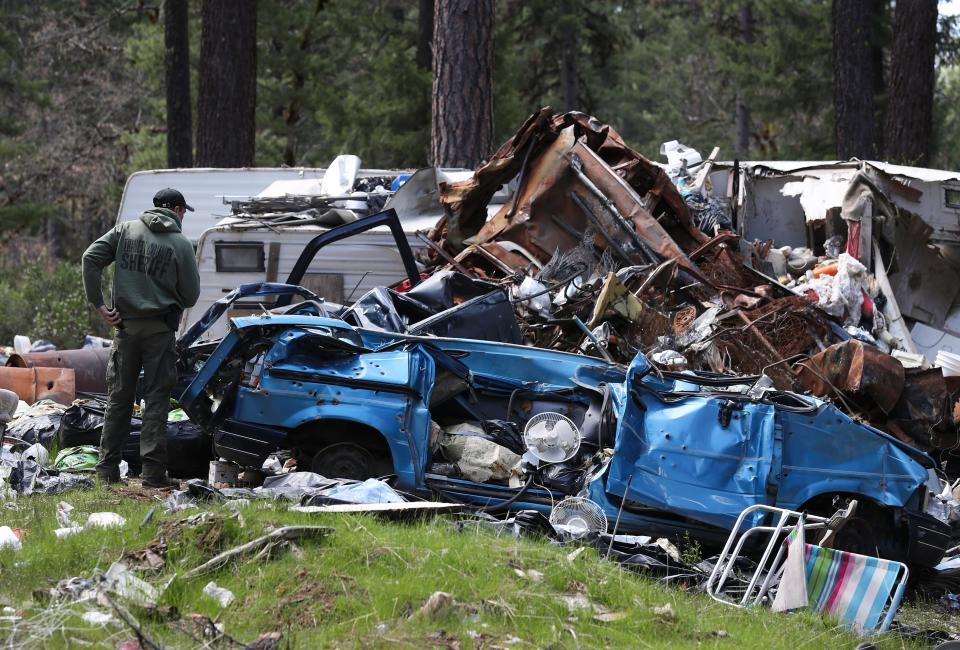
column 786, row 520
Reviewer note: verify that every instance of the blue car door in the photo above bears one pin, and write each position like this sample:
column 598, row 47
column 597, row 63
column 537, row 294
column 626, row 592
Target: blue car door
column 706, row 458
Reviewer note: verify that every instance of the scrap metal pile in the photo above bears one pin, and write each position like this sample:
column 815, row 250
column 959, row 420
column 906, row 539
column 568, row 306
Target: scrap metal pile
column 601, row 252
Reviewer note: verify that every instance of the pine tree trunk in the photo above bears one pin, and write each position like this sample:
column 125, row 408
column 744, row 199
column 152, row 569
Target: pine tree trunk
column 742, row 144
column 855, row 76
column 425, row 35
column 909, row 116
column 462, row 121
column 179, row 122
column 228, row 84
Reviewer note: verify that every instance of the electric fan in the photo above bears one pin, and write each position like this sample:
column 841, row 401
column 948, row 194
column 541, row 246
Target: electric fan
column 551, row 437
column 575, row 517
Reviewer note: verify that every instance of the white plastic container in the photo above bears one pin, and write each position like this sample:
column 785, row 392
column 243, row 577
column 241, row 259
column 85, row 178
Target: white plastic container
column 104, row 520
column 9, row 539
column 219, row 594
column 21, row 343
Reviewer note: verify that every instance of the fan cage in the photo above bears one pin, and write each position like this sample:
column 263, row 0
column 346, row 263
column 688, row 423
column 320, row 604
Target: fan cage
column 551, row 419
column 577, row 516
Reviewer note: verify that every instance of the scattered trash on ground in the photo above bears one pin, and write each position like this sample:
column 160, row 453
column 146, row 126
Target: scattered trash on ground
column 223, row 596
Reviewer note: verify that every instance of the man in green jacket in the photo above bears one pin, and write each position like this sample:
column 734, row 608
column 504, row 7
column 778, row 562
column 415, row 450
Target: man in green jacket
column 155, row 279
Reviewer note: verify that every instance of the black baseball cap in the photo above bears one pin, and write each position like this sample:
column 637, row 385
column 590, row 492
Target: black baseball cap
column 170, row 198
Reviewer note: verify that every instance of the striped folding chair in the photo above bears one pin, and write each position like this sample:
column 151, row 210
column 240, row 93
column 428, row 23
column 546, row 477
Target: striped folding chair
column 863, row 592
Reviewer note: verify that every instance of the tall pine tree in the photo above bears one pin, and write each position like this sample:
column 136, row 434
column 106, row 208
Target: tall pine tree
column 462, row 116
column 227, row 102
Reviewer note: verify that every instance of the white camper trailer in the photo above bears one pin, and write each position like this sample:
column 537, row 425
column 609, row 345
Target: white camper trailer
column 211, row 190
column 237, row 247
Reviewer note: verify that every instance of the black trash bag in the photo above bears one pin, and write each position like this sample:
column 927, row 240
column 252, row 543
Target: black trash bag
column 648, row 558
column 41, row 428
column 189, row 450
column 63, row 482
column 80, row 425
column 535, row 523
column 444, row 289
column 200, row 490
column 506, row 434
column 23, row 476
column 565, row 477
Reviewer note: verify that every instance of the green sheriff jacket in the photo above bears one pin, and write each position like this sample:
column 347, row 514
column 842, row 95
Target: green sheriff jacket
column 156, row 269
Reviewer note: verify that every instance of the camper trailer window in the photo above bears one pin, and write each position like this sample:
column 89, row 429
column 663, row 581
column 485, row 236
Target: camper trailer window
column 239, row 256
column 951, row 197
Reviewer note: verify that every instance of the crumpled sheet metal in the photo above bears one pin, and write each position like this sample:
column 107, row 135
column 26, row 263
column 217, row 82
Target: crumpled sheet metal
column 581, row 187
column 857, row 368
column 465, row 202
column 570, row 190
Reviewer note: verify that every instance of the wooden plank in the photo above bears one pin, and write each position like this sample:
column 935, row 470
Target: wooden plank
column 273, row 261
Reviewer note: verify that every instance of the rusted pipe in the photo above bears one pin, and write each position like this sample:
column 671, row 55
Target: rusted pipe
column 90, row 365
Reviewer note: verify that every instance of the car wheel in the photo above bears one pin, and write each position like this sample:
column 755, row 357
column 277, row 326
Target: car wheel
column 859, row 536
column 344, row 460
column 871, row 531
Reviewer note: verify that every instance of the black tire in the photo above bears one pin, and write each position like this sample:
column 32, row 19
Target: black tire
column 859, row 536
column 345, row 460
column 871, row 531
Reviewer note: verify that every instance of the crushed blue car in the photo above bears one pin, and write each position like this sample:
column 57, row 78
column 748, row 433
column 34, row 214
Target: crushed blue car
column 430, row 386
column 660, row 453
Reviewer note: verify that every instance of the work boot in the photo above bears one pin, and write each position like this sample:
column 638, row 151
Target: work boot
column 109, row 477
column 161, row 483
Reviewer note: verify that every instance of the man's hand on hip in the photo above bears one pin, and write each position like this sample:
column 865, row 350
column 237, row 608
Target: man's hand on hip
column 112, row 316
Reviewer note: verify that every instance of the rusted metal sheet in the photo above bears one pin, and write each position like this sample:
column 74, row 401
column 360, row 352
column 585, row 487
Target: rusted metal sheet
column 490, row 260
column 683, row 317
column 857, row 368
column 924, row 405
column 90, row 365
column 465, row 202
column 571, row 183
column 33, row 384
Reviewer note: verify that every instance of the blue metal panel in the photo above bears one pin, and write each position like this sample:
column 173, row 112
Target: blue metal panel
column 378, row 369
column 296, row 390
column 682, row 460
column 290, row 320
column 827, row 452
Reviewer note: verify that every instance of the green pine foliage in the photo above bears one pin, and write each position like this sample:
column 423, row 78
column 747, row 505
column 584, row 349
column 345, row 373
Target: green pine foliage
column 45, row 300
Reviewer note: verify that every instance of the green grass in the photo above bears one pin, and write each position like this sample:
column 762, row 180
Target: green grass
column 362, row 587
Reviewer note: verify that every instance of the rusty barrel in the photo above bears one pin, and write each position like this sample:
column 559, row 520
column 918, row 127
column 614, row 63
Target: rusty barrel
column 89, row 366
